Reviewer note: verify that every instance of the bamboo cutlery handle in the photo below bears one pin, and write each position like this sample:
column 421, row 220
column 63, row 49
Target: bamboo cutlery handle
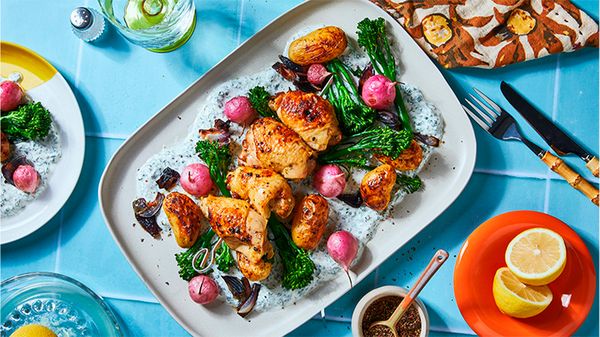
column 573, row 178
column 592, row 165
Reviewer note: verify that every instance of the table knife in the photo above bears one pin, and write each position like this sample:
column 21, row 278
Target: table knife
column 555, row 137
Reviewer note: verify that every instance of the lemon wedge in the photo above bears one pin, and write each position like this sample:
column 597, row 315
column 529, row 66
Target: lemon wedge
column 516, row 299
column 33, row 330
column 537, row 256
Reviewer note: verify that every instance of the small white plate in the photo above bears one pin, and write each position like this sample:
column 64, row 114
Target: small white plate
column 45, row 84
column 444, row 178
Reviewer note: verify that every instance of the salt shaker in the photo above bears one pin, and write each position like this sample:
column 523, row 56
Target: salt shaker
column 87, row 23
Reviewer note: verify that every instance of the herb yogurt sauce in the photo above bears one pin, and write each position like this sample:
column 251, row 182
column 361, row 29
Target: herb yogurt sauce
column 361, row 222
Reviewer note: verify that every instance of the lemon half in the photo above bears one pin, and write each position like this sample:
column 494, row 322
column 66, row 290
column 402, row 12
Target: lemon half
column 537, row 256
column 516, row 299
column 33, row 330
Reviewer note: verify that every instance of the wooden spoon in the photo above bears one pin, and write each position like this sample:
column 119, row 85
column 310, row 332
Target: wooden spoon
column 436, row 262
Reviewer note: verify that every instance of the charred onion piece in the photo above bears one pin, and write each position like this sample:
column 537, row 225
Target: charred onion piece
column 219, row 132
column 236, row 287
column 168, row 178
column 292, row 65
column 8, row 169
column 351, row 199
column 246, row 307
column 390, row 119
column 366, row 73
column 145, row 213
column 427, row 140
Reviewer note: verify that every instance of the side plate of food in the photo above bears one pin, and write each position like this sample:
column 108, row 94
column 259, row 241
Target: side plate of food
column 43, row 141
column 355, row 146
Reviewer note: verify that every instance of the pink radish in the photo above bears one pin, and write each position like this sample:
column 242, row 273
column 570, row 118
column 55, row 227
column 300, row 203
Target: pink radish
column 203, row 289
column 329, row 180
column 26, row 178
column 11, row 95
column 342, row 246
column 195, row 179
column 317, row 73
column 240, row 110
column 379, row 92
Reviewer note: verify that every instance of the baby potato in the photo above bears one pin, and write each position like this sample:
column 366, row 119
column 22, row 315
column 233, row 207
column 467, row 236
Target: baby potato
column 6, row 147
column 376, row 187
column 253, row 271
column 409, row 159
column 319, row 46
column 185, row 218
column 310, row 221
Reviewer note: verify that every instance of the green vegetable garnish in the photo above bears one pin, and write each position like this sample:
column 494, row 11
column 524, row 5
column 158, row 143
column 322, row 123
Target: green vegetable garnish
column 184, row 259
column 410, row 184
column 372, row 37
column 298, row 268
column 259, row 98
column 352, row 113
column 218, row 158
column 29, row 121
column 357, row 149
column 223, row 258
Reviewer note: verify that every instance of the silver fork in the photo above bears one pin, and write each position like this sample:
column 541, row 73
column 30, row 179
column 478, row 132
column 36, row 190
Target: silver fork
column 500, row 124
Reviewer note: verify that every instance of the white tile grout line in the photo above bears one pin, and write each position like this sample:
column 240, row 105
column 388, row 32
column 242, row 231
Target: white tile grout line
column 554, row 112
column 58, row 241
column 106, row 135
column 133, row 298
column 240, row 23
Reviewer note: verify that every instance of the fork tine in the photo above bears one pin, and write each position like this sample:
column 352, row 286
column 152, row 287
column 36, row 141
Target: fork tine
column 476, row 119
column 491, row 112
column 489, row 101
column 481, row 113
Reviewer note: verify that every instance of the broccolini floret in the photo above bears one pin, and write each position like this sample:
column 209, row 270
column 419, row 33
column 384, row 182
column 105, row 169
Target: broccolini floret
column 30, row 121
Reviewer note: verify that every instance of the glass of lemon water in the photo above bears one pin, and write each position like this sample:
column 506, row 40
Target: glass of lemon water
column 157, row 25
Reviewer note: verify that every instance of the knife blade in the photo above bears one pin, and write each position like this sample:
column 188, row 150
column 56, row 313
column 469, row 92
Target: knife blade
column 555, row 137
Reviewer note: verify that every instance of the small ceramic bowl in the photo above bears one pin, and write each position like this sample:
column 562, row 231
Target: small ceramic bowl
column 378, row 293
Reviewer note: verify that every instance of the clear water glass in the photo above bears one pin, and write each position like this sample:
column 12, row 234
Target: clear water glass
column 157, row 25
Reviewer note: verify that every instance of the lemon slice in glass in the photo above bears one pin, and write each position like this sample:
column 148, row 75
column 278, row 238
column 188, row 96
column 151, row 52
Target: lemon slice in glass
column 33, row 330
column 537, row 256
column 516, row 299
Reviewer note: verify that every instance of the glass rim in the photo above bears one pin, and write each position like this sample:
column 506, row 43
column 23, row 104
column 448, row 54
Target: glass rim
column 97, row 298
column 150, row 32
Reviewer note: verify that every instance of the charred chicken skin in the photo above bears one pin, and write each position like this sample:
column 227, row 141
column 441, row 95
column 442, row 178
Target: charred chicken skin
column 270, row 144
column 242, row 228
column 185, row 218
column 265, row 189
column 310, row 115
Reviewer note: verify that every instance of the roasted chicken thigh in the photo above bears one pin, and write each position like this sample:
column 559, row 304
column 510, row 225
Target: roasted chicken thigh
column 242, row 228
column 270, row 144
column 310, row 115
column 265, row 189
column 185, row 218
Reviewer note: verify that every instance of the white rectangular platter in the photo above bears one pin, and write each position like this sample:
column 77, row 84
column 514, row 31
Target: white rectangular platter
column 444, row 178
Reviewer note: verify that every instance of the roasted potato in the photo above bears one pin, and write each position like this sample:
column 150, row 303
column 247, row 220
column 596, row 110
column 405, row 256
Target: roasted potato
column 309, row 222
column 6, row 147
column 408, row 160
column 253, row 271
column 319, row 46
column 185, row 218
column 376, row 187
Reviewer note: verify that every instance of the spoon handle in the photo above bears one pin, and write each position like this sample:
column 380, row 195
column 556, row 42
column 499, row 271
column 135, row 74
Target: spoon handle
column 436, row 262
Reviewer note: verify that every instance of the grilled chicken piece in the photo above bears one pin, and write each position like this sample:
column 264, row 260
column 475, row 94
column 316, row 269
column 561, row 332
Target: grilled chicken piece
column 242, row 228
column 185, row 218
column 270, row 144
column 310, row 115
column 254, row 271
column 376, row 187
column 310, row 221
column 408, row 160
column 265, row 189
column 6, row 147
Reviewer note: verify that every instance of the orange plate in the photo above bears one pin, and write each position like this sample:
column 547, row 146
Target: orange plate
column 483, row 253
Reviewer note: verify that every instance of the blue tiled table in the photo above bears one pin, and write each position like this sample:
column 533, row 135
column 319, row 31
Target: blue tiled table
column 507, row 177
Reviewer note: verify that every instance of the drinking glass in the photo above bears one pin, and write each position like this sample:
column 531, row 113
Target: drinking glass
column 157, row 25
